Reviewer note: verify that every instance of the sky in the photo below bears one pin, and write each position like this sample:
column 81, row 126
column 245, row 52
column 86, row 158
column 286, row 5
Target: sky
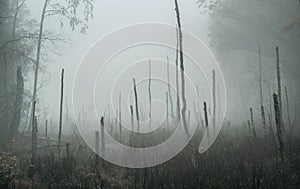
column 109, row 16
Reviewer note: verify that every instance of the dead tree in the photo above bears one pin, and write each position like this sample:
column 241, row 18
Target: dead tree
column 136, row 105
column 149, row 93
column 278, row 126
column 249, row 125
column 205, row 116
column 33, row 136
column 167, row 107
column 169, row 88
column 214, row 99
column 61, row 106
column 38, row 53
column 262, row 109
column 291, row 126
column 288, row 107
column 17, row 105
column 131, row 117
column 102, row 135
column 252, row 123
column 177, row 80
column 279, row 87
column 180, row 37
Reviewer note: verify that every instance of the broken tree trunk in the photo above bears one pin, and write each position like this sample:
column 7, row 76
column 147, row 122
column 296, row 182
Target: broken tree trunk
column 252, row 123
column 102, row 136
column 17, row 105
column 131, row 117
column 279, row 88
column 169, row 89
column 136, row 105
column 167, row 107
column 33, row 136
column 61, row 106
column 278, row 126
column 214, row 100
column 183, row 110
column 262, row 109
column 177, row 80
column 149, row 93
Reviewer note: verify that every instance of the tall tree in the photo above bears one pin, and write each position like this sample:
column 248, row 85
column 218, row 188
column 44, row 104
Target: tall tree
column 262, row 109
column 180, row 37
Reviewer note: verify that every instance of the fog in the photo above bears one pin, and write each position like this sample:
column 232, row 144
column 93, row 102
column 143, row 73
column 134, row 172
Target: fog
column 109, row 16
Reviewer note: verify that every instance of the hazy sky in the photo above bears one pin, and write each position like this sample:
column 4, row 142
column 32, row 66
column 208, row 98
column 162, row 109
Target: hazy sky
column 110, row 15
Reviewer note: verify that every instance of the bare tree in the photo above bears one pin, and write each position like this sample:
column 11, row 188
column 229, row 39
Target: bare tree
column 214, row 99
column 183, row 110
column 279, row 87
column 176, row 79
column 17, row 105
column 131, row 117
column 278, row 126
column 149, row 93
column 167, row 107
column 61, row 105
column 262, row 109
column 252, row 123
column 205, row 117
column 169, row 88
column 102, row 135
column 136, row 105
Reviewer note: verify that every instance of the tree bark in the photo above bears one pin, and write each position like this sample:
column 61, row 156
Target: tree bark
column 262, row 109
column 183, row 110
column 136, row 106
column 169, row 89
column 278, row 126
column 61, row 105
column 38, row 53
column 17, row 105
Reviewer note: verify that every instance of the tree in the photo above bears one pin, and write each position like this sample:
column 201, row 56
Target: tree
column 180, row 44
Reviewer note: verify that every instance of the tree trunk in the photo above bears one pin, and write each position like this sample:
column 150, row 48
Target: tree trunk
column 38, row 53
column 214, row 100
column 169, row 89
column 33, row 136
column 61, row 105
column 177, row 80
column 183, row 110
column 167, row 107
column 252, row 123
column 278, row 126
column 279, row 88
column 262, row 109
column 136, row 106
column 17, row 105
column 149, row 93
column 102, row 135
